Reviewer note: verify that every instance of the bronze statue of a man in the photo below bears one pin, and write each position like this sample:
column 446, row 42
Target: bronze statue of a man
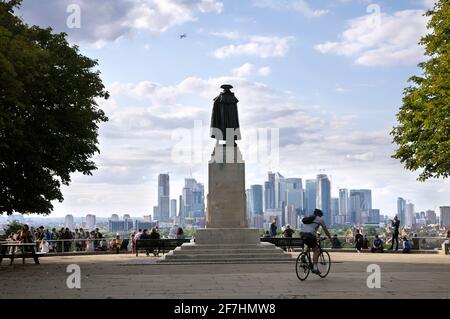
column 224, row 119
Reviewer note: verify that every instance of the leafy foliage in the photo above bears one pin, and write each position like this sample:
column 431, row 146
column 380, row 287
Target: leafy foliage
column 13, row 227
column 48, row 114
column 423, row 133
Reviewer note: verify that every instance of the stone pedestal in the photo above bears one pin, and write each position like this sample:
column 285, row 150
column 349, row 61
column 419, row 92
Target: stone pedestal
column 226, row 202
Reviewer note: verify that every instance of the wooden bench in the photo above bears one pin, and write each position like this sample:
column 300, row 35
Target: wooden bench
column 284, row 242
column 26, row 250
column 160, row 245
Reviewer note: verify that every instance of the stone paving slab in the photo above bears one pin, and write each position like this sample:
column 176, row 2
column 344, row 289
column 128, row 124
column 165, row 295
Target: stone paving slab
column 127, row 276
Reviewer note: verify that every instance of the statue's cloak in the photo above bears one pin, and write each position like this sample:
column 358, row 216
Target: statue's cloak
column 225, row 115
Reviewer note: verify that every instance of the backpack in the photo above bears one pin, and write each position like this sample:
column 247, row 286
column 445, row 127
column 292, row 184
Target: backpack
column 309, row 219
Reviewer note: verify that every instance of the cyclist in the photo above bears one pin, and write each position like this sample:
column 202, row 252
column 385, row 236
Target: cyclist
column 308, row 232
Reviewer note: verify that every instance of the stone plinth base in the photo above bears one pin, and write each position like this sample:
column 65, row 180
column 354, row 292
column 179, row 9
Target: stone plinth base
column 227, row 245
column 229, row 236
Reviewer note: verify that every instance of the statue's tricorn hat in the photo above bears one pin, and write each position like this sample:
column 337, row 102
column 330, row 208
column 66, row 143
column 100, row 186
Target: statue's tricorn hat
column 226, row 87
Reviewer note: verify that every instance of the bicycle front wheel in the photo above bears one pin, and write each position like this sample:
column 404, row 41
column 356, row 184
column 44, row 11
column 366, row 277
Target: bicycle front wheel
column 302, row 266
column 324, row 264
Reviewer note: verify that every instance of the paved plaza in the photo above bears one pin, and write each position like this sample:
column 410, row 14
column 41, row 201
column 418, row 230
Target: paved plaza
column 127, row 276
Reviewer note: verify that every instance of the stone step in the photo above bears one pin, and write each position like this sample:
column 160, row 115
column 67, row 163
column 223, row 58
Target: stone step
column 227, row 251
column 226, row 261
column 228, row 246
column 223, row 256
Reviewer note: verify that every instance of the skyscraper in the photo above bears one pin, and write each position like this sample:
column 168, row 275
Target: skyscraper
column 163, row 197
column 334, row 210
column 269, row 192
column 269, row 195
column 410, row 216
column 173, row 208
column 323, row 187
column 280, row 191
column 69, row 222
column 343, row 205
column 295, row 194
column 256, row 200
column 115, row 217
column 401, row 210
column 360, row 203
column 310, row 196
column 193, row 198
column 444, row 216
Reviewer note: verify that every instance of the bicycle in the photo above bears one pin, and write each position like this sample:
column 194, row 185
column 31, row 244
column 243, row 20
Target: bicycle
column 304, row 264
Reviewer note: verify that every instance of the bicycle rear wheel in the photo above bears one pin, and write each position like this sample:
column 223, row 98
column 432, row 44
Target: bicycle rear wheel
column 324, row 264
column 302, row 266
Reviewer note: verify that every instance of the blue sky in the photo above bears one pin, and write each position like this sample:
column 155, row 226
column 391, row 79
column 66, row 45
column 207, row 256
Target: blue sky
column 328, row 74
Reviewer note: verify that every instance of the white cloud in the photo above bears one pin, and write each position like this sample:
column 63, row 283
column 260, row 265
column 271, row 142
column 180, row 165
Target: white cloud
column 103, row 21
column 258, row 46
column 301, row 6
column 265, row 71
column 394, row 40
column 243, row 71
column 232, row 35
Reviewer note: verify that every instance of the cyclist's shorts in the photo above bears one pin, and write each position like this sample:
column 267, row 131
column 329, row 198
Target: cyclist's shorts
column 309, row 239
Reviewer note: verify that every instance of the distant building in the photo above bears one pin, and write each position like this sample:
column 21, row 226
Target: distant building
column 291, row 216
column 310, row 196
column 126, row 216
column 144, row 225
column 343, row 206
column 374, row 216
column 334, row 207
column 69, row 222
column 269, row 195
column 280, row 191
column 256, row 200
column 156, row 212
column 360, row 204
column 163, row 197
column 430, row 216
column 193, row 199
column 269, row 192
column 323, row 202
column 173, row 208
column 295, row 194
column 401, row 210
column 410, row 216
column 147, row 218
column 444, row 216
column 118, row 226
column 115, row 217
column 90, row 222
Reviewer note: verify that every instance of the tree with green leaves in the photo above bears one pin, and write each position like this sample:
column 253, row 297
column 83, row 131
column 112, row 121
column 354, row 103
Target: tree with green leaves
column 423, row 133
column 49, row 117
column 13, row 227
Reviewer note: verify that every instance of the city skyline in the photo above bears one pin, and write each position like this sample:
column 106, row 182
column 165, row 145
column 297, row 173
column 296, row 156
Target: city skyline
column 331, row 89
column 346, row 207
